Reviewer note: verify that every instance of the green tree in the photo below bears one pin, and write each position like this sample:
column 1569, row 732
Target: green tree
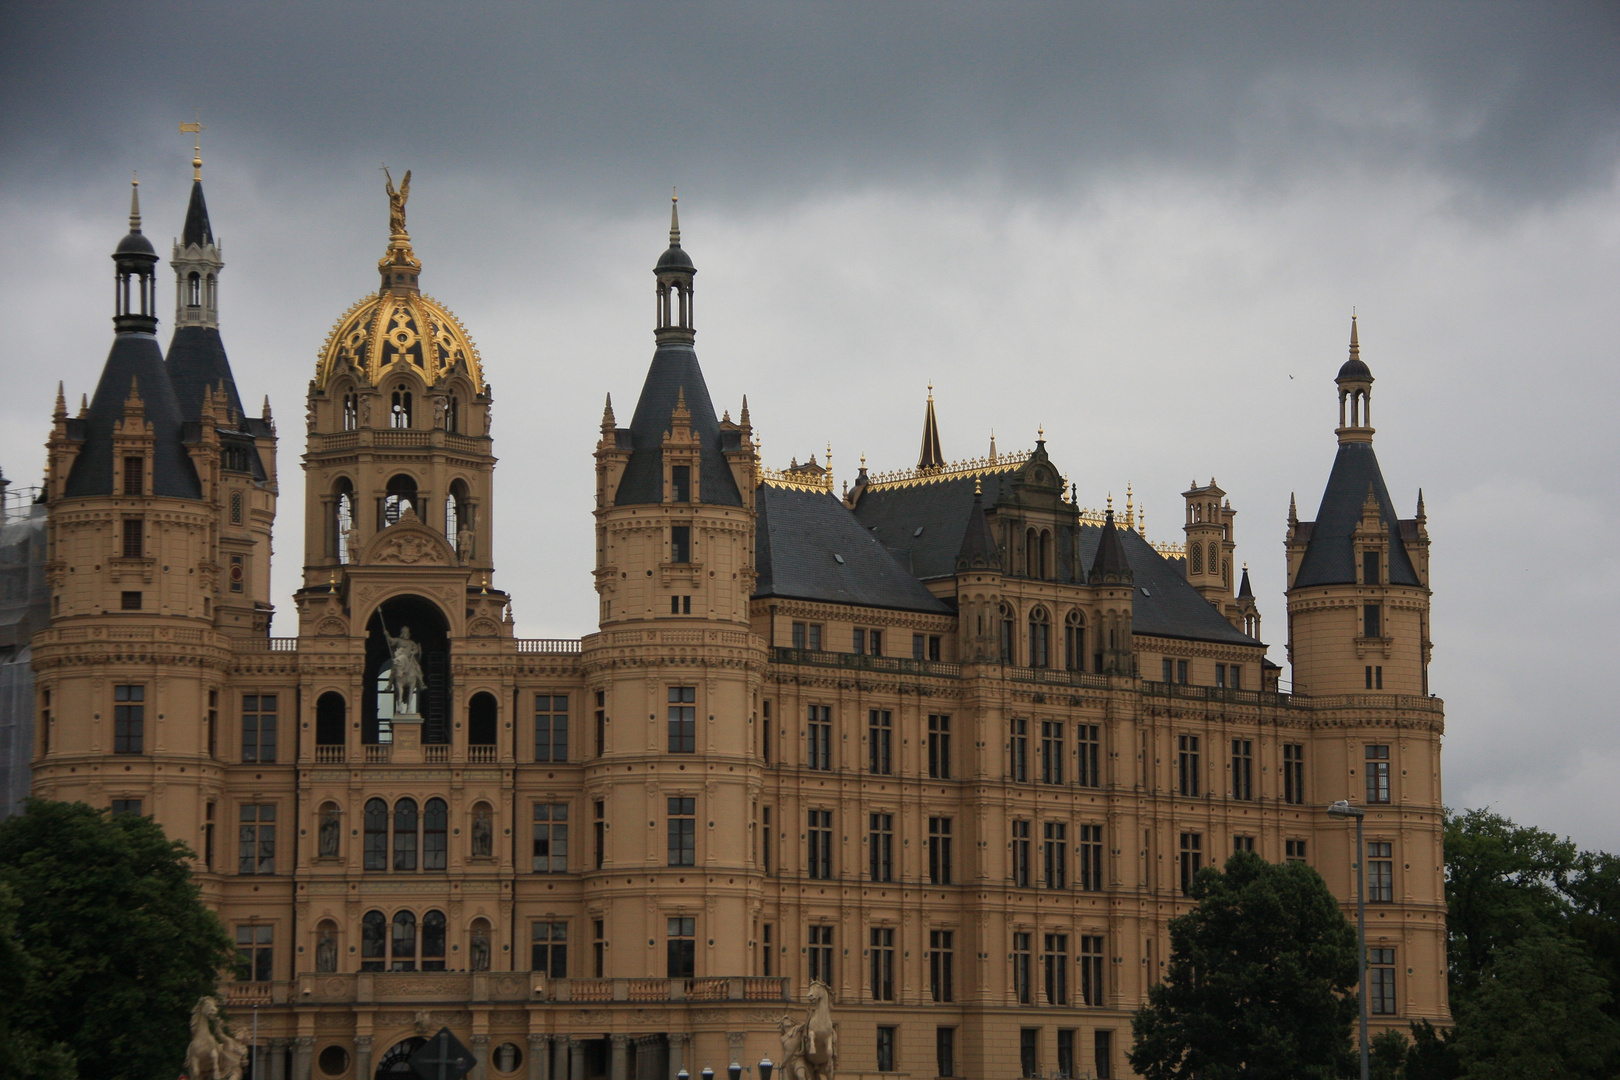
column 1594, row 890
column 1260, row 984
column 120, row 946
column 23, row 1054
column 1538, row 1013
column 1388, row 1055
column 1432, row 1055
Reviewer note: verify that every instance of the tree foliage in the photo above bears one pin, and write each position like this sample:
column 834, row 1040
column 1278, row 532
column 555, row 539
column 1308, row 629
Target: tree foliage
column 117, row 946
column 1260, row 981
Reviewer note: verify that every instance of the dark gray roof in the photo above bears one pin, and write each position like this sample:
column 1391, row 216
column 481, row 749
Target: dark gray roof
column 1354, row 368
column 674, row 370
column 196, row 362
column 808, row 546
column 978, row 541
column 1110, row 564
column 133, row 356
column 1165, row 605
column 1330, row 557
column 923, row 524
column 197, row 230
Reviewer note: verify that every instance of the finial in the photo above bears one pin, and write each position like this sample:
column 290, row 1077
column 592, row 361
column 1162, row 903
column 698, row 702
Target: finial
column 992, row 446
column 1293, row 511
column 1074, row 494
column 1355, row 342
column 266, row 414
column 863, row 469
column 742, row 417
column 195, row 127
column 1130, row 506
column 84, row 404
column 674, row 219
column 135, row 203
column 1040, row 433
column 978, row 486
column 1421, row 515
column 1110, row 504
column 61, row 411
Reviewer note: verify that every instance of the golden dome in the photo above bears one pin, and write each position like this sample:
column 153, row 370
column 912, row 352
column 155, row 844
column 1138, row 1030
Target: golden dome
column 381, row 329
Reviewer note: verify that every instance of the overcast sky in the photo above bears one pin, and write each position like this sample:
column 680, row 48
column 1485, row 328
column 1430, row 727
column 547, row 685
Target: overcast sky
column 1141, row 226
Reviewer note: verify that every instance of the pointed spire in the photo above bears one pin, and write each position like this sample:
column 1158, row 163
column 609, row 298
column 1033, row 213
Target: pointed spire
column 1421, row 515
column 978, row 548
column 84, row 405
column 265, row 414
column 1110, row 564
column 61, row 414
column 1245, row 590
column 135, row 203
column 992, row 446
column 742, row 417
column 930, row 457
column 674, row 218
column 1293, row 510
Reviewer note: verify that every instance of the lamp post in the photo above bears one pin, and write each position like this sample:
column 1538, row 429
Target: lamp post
column 1343, row 809
column 765, row 1067
column 734, row 1071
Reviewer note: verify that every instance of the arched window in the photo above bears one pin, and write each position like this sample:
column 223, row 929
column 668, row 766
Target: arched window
column 376, row 840
column 435, row 830
column 458, row 517
column 433, row 941
column 1006, row 634
column 331, row 713
column 1046, row 554
column 478, row 946
column 213, row 297
column 399, row 412
column 194, row 290
column 1214, row 557
column 373, row 941
column 1196, row 555
column 351, row 411
column 326, row 947
column 405, row 834
column 402, row 957
column 401, row 496
column 329, row 831
column 1032, row 555
column 482, row 712
column 1040, row 638
column 345, row 538
column 1226, row 572
column 1074, row 641
column 452, row 414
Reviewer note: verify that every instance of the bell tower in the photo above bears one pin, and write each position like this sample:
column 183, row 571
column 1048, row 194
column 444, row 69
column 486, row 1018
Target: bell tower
column 1358, row 575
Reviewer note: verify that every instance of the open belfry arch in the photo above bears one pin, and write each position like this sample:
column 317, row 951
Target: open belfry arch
column 940, row 739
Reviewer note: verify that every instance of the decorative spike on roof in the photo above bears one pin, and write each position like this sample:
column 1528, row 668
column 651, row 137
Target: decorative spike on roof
column 1110, row 566
column 930, row 457
column 979, row 550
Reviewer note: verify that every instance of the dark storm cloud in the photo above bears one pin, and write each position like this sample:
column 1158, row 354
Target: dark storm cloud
column 1520, row 101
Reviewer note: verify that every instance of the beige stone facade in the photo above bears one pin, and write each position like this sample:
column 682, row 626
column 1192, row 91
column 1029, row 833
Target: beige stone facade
column 974, row 826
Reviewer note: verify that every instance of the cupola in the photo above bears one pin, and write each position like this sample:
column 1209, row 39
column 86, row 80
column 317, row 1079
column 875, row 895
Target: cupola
column 1355, row 394
column 674, row 271
column 135, row 306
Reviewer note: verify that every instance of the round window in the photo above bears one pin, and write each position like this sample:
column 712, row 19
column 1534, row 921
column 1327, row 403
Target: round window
column 334, row 1061
column 507, row 1058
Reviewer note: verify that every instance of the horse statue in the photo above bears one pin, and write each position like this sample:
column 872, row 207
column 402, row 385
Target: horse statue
column 213, row 1054
column 810, row 1046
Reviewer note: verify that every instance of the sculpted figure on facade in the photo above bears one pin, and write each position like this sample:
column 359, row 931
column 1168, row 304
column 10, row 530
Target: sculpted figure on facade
column 326, row 951
column 213, row 1053
column 330, row 832
column 810, row 1046
column 396, row 201
column 405, row 677
column 483, row 834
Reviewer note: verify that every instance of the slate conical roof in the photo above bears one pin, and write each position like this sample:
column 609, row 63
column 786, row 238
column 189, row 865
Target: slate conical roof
column 674, row 372
column 1110, row 565
column 978, row 548
column 197, row 229
column 1245, row 590
column 134, row 357
column 1330, row 557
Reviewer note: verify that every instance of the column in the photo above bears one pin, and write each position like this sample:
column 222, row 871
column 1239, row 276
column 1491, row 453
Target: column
column 559, row 1057
column 362, row 1055
column 277, row 1059
column 480, row 1051
column 303, row 1051
column 576, row 1058
column 539, row 1057
column 677, row 1053
column 647, row 1057
column 619, row 1063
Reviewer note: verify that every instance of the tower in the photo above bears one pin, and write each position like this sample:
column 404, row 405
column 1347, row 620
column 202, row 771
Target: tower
column 1210, row 544
column 1358, row 580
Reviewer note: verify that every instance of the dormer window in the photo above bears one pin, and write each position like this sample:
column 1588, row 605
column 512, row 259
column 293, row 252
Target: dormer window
column 1369, row 568
column 680, row 483
column 133, row 468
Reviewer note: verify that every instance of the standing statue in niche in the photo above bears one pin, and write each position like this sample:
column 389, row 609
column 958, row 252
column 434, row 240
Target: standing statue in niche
column 483, row 834
column 326, row 952
column 464, row 543
column 405, row 677
column 396, row 201
column 478, row 955
column 329, row 833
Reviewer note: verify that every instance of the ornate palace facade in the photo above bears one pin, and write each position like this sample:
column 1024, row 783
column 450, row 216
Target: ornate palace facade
column 945, row 740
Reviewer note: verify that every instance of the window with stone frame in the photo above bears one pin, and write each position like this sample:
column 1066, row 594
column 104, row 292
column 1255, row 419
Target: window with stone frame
column 880, row 742
column 256, row 838
column 1055, row 959
column 881, row 957
column 548, row 948
column 880, row 847
column 1091, row 858
column 683, row 719
column 942, row 965
column 258, row 729
column 1380, row 872
column 129, row 718
column 255, row 952
column 1088, row 755
column 682, row 811
column 939, row 747
column 680, row 939
column 1022, row 968
column 1020, row 854
column 819, row 952
column 939, row 851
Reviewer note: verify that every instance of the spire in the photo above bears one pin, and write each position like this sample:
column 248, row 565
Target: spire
column 608, row 421
column 196, row 355
column 1245, row 590
column 135, row 203
column 1421, row 514
column 674, row 218
column 1110, row 565
column 1293, row 510
column 930, row 457
column 978, row 548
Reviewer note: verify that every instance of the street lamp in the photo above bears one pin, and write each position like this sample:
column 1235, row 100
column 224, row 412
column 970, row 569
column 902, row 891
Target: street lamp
column 1343, row 809
column 707, row 1073
column 765, row 1067
column 734, row 1071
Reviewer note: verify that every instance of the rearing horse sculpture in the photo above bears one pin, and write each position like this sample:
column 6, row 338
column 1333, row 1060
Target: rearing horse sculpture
column 810, row 1047
column 212, row 1056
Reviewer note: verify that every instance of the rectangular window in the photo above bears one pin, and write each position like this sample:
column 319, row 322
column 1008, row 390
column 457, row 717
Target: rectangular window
column 1055, row 959
column 818, row 748
column 1369, row 568
column 885, row 1048
column 601, row 723
column 1234, row 675
column 255, row 953
column 550, row 838
column 1091, row 858
column 134, row 530
column 1103, row 1054
column 129, row 601
column 941, row 964
column 880, row 847
column 766, row 741
column 1091, row 969
column 1054, row 855
column 259, row 729
column 939, row 747
column 933, row 647
column 1242, row 843
column 1372, row 620
column 919, row 645
column 683, row 720
column 550, row 728
column 859, row 646
column 682, row 831
column 548, row 949
column 1220, row 676
column 680, row 960
column 1242, row 769
column 1039, row 640
column 126, row 807
column 768, row 951
column 820, row 953
column 599, row 947
column 1378, row 774
column 1381, row 982
column 1380, row 872
column 1020, row 750
column 680, row 483
column 882, row 958
column 1088, row 745
column 1293, row 773
column 1181, row 671
column 129, row 719
column 1020, row 854
column 1294, row 850
column 945, row 1051
column 1022, row 968
column 880, row 742
column 819, row 851
column 1051, row 752
column 600, row 829
column 1187, row 775
column 680, row 543
column 874, row 642
column 1167, row 670
column 1192, row 859
column 939, row 850
column 133, row 468
column 765, row 848
column 256, row 839
column 1029, row 1041
column 813, row 641
column 1065, row 1060
column 798, row 635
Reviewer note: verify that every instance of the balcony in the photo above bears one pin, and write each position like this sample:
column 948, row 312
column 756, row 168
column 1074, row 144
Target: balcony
column 378, row 753
column 1058, row 677
column 329, row 755
column 897, row 665
column 547, row 645
column 481, row 755
column 409, row 987
column 436, row 754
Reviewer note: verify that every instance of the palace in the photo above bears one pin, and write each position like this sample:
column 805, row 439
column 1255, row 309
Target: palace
column 944, row 741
